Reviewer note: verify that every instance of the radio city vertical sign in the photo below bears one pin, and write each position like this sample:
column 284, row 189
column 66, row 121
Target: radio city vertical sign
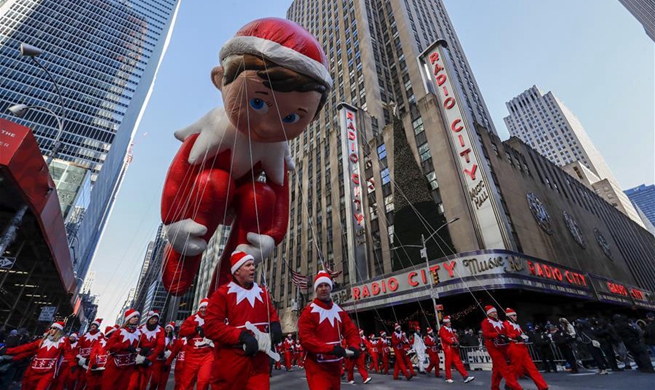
column 355, row 223
column 437, row 69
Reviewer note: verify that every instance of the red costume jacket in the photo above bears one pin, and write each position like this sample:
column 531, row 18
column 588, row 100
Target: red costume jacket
column 195, row 343
column 513, row 331
column 288, row 345
column 177, row 351
column 99, row 354
column 447, row 336
column 231, row 306
column 399, row 340
column 431, row 343
column 383, row 345
column 492, row 330
column 118, row 345
column 152, row 341
column 46, row 354
column 71, row 352
column 87, row 340
column 322, row 326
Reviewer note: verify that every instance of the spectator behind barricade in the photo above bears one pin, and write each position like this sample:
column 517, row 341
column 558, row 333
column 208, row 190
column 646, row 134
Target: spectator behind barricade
column 567, row 327
column 649, row 334
column 480, row 339
column 634, row 343
column 601, row 331
column 468, row 339
column 588, row 341
column 564, row 342
column 544, row 345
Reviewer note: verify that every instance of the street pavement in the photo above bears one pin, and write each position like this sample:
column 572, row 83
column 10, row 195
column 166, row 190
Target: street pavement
column 585, row 380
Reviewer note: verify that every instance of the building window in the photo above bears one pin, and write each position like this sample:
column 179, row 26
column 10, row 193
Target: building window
column 432, row 179
column 385, row 176
column 382, row 152
column 418, row 125
column 424, row 151
column 388, row 203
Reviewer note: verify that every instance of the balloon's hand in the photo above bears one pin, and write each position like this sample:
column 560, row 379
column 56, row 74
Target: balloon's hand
column 185, row 237
column 260, row 247
column 212, row 128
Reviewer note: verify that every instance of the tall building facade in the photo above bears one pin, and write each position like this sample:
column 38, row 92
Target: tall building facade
column 644, row 11
column 104, row 56
column 547, row 125
column 210, row 258
column 372, row 47
column 643, row 196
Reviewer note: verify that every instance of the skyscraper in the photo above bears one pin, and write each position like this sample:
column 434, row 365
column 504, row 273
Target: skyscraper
column 644, row 197
column 104, row 55
column 547, row 125
column 372, row 47
column 644, row 11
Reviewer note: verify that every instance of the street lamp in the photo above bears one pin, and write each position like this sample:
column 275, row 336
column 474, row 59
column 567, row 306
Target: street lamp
column 424, row 253
column 20, row 109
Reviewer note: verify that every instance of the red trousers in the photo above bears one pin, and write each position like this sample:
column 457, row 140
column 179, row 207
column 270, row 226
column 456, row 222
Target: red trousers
column 287, row 359
column 140, row 377
column 160, row 372
column 197, row 368
column 520, row 362
column 402, row 361
column 179, row 374
column 93, row 380
column 452, row 357
column 323, row 376
column 116, row 377
column 68, row 377
column 375, row 365
column 232, row 370
column 434, row 362
column 82, row 379
column 500, row 369
column 385, row 364
column 35, row 381
column 360, row 363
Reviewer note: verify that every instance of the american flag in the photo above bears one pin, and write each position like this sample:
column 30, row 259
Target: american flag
column 299, row 280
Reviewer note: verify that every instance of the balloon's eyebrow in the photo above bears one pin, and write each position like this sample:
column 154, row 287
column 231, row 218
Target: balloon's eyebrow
column 262, row 92
column 302, row 109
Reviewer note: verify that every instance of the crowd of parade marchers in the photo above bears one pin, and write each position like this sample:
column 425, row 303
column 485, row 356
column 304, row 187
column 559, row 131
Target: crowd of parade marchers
column 235, row 341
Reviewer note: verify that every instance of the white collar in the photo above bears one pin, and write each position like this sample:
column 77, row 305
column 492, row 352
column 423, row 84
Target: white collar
column 255, row 293
column 48, row 344
column 150, row 334
column 129, row 336
column 199, row 320
column 330, row 314
column 92, row 337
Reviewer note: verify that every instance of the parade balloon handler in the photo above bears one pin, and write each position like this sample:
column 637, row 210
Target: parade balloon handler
column 274, row 79
column 243, row 323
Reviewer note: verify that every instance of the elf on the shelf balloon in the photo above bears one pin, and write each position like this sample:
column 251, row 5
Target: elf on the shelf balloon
column 274, row 81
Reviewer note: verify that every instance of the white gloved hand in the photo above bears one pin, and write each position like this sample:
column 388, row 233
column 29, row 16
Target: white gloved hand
column 185, row 237
column 208, row 342
column 260, row 247
column 212, row 128
column 263, row 341
column 525, row 337
column 288, row 158
column 5, row 358
column 167, row 354
column 140, row 359
column 349, row 353
column 82, row 361
column 98, row 369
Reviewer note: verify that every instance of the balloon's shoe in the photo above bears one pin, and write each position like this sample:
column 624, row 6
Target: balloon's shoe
column 179, row 271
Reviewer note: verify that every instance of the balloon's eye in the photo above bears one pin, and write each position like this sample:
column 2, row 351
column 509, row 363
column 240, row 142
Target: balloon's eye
column 259, row 105
column 291, row 118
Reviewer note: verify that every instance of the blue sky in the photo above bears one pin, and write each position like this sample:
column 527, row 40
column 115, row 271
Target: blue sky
column 597, row 60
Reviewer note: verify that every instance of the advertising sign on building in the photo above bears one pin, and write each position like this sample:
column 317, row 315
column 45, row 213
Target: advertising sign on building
column 47, row 313
column 355, row 223
column 465, row 145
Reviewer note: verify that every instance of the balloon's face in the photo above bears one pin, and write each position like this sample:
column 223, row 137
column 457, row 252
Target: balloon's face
column 266, row 115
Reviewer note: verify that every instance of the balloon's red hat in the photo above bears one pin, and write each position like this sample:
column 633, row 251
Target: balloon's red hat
column 283, row 42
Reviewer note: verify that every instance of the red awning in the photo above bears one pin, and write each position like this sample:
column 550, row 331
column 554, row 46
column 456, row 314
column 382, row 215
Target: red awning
column 22, row 165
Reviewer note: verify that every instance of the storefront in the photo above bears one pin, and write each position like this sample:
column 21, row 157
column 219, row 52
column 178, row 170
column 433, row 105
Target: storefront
column 463, row 282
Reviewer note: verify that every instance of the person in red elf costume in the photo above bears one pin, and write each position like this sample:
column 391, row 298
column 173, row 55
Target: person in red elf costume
column 519, row 358
column 86, row 344
column 45, row 354
column 151, row 344
column 385, row 351
column 300, row 354
column 322, row 326
column 450, row 345
column 98, row 359
column 431, row 345
column 160, row 370
column 400, row 344
column 289, row 345
column 122, row 347
column 372, row 347
column 70, row 371
column 178, row 351
column 274, row 80
column 199, row 356
column 359, row 361
column 497, row 341
column 279, row 348
column 239, row 317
